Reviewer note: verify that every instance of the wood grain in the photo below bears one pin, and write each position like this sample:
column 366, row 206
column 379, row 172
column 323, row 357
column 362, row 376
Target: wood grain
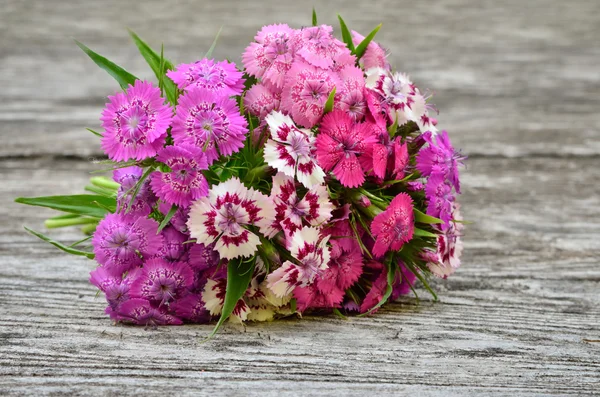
column 518, row 87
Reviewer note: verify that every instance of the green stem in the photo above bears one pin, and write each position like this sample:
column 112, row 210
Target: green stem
column 56, row 223
column 104, row 183
column 89, row 229
column 256, row 173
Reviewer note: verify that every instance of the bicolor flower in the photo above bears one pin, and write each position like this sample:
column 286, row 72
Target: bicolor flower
column 394, row 226
column 135, row 123
column 224, row 216
column 290, row 150
column 311, row 255
column 211, row 123
column 292, row 212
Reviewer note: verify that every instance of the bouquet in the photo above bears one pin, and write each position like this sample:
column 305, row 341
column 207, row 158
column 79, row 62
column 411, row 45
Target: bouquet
column 311, row 178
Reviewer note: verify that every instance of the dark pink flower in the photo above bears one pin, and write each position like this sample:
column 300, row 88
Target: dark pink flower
column 191, row 308
column 119, row 240
column 174, row 248
column 340, row 146
column 185, row 182
column 394, row 226
column 203, row 257
column 135, row 123
column 211, row 123
column 142, row 312
column 306, row 91
column 221, row 78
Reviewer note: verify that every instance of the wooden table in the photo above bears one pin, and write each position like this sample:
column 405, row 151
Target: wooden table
column 518, row 86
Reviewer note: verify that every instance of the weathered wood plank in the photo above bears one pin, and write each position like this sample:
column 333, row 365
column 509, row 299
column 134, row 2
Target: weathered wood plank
column 512, row 320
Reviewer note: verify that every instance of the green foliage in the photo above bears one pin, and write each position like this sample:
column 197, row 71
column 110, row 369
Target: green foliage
column 94, row 132
column 346, row 35
column 314, row 17
column 167, row 218
column 391, row 277
column 239, row 275
column 83, row 204
column 123, row 77
column 359, row 51
column 422, row 218
column 214, row 44
column 329, row 104
column 159, row 66
column 60, row 246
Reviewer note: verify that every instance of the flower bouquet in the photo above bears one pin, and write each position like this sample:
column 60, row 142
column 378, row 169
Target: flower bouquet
column 313, row 179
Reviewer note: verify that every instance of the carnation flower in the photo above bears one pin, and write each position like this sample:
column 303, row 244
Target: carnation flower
column 221, row 78
column 179, row 219
column 306, row 91
column 203, row 257
column 317, row 46
column 142, row 203
column 162, row 281
column 351, row 98
column 271, row 56
column 440, row 155
column 377, row 291
column 119, row 240
column 374, row 57
column 394, row 226
column 115, row 287
column 223, row 216
column 212, row 123
column 260, row 100
column 449, row 246
column 340, row 146
column 185, row 182
column 142, row 312
column 390, row 158
column 438, row 192
column 291, row 212
column 135, row 123
column 214, row 298
column 174, row 248
column 191, row 308
column 290, row 150
column 311, row 255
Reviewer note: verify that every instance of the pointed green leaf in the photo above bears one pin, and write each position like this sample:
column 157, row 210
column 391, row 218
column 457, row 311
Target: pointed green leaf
column 314, row 17
column 362, row 47
column 422, row 279
column 136, row 188
column 424, row 233
column 239, row 274
column 78, row 220
column 329, row 103
column 422, row 218
column 294, row 301
column 168, row 217
column 82, row 204
column 159, row 68
column 394, row 127
column 214, row 44
column 123, row 77
column 94, row 132
column 60, row 246
column 346, row 35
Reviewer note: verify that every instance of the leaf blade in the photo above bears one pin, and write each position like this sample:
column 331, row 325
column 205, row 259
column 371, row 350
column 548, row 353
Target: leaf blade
column 362, row 47
column 60, row 246
column 423, row 218
column 329, row 104
column 346, row 35
column 123, row 77
column 82, row 204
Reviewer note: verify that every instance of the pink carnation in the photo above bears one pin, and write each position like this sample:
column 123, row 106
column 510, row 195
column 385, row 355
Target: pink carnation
column 260, row 100
column 394, row 226
column 221, row 78
column 317, row 46
column 135, row 123
column 374, row 57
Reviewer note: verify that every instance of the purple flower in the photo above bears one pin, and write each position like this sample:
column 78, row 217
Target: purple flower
column 142, row 312
column 192, row 309
column 203, row 257
column 440, row 198
column 135, row 123
column 221, row 78
column 440, row 155
column 120, row 240
column 173, row 248
column 115, row 288
column 179, row 219
column 185, row 182
column 161, row 281
column 145, row 199
column 211, row 123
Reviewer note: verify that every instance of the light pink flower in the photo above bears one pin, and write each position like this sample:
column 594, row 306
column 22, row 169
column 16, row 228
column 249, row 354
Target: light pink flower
column 260, row 100
column 224, row 215
column 221, row 78
column 351, row 98
column 374, row 57
column 318, row 47
column 290, row 150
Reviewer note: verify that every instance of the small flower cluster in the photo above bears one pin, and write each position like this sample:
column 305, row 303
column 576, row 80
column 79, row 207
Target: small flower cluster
column 314, row 179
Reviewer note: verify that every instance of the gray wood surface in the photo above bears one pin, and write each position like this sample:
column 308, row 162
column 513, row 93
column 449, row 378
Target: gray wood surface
column 518, row 86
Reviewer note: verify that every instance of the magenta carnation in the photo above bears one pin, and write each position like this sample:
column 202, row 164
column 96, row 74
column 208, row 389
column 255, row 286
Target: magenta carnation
column 306, row 91
column 341, row 146
column 135, row 122
column 185, row 182
column 119, row 240
column 213, row 124
column 394, row 226
column 161, row 281
column 221, row 78
column 142, row 312
column 440, row 155
column 144, row 200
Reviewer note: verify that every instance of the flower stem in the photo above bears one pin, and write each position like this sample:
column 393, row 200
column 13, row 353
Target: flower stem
column 104, row 183
column 56, row 223
column 256, row 174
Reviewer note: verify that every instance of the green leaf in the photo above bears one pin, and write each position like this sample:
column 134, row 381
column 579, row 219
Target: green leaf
column 239, row 275
column 123, row 77
column 214, row 44
column 159, row 68
column 293, row 301
column 424, row 233
column 346, row 35
column 422, row 218
column 78, row 220
column 94, row 132
column 359, row 51
column 394, row 127
column 82, row 204
column 60, row 246
column 314, row 17
column 422, row 279
column 329, row 103
column 391, row 276
column 168, row 217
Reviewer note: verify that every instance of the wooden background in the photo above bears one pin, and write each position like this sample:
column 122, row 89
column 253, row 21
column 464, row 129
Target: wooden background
column 518, row 86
